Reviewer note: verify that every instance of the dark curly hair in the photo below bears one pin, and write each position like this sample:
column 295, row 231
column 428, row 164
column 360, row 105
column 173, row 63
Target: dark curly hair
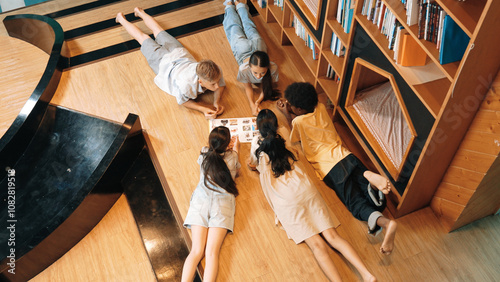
column 302, row 95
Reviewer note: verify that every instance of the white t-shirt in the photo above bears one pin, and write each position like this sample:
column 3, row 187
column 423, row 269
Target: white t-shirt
column 177, row 76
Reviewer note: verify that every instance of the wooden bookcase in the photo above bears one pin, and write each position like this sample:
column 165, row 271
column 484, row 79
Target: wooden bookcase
column 446, row 98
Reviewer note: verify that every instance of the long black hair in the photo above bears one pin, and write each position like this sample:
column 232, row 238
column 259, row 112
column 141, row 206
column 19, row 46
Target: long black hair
column 214, row 166
column 261, row 59
column 273, row 144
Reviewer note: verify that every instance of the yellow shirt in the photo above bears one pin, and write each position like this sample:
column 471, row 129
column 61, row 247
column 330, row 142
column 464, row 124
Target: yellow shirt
column 319, row 139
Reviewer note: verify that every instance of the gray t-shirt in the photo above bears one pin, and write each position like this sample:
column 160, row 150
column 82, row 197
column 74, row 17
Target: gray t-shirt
column 245, row 73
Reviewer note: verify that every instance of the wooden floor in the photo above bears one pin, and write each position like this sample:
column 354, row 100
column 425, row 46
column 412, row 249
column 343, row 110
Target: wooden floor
column 257, row 251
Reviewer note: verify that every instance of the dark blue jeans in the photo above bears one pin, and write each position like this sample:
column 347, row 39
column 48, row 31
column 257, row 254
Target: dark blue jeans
column 347, row 180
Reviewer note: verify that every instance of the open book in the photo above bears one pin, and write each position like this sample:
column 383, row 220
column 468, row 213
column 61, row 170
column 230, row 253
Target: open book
column 244, row 128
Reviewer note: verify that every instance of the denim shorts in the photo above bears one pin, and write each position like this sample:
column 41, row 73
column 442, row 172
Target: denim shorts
column 208, row 208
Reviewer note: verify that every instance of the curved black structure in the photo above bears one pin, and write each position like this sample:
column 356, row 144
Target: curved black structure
column 64, row 170
column 46, row 34
column 66, row 181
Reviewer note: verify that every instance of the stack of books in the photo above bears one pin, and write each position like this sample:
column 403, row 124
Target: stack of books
column 345, row 13
column 262, row 3
column 301, row 32
column 336, row 46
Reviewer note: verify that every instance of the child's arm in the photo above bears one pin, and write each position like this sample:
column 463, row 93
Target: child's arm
column 234, row 144
column 208, row 112
column 251, row 166
column 259, row 100
column 284, row 107
column 217, row 95
column 249, row 93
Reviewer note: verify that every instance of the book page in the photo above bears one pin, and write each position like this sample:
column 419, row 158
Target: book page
column 244, row 128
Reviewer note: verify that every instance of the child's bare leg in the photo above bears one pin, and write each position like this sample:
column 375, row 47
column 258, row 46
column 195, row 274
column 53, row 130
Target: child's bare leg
column 341, row 245
column 390, row 233
column 199, row 239
column 150, row 22
column 133, row 30
column 378, row 181
column 215, row 238
column 320, row 249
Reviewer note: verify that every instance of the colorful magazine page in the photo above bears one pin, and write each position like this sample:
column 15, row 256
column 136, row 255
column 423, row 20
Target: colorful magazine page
column 244, row 128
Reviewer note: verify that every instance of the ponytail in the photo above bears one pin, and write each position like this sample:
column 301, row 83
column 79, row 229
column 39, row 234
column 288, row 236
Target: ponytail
column 273, row 144
column 261, row 59
column 214, row 166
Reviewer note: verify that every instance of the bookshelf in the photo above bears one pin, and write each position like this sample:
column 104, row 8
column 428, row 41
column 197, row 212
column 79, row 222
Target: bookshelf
column 449, row 88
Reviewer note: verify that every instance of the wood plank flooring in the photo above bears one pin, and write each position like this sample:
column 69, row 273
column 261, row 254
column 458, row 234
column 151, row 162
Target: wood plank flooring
column 257, row 251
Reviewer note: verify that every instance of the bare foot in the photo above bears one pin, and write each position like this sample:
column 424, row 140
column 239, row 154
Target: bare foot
column 119, row 17
column 138, row 12
column 388, row 243
column 229, row 2
column 381, row 183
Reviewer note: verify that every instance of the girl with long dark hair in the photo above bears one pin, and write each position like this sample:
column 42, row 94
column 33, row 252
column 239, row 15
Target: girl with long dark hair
column 297, row 204
column 211, row 210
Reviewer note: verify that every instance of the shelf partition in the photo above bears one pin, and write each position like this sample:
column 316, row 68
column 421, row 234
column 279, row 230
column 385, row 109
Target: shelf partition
column 465, row 13
column 277, row 12
column 339, row 31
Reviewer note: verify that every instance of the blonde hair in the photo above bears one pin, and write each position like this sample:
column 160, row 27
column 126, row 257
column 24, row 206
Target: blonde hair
column 208, row 70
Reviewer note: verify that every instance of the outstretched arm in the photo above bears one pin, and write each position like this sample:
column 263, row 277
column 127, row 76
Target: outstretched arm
column 259, row 100
column 249, row 94
column 208, row 112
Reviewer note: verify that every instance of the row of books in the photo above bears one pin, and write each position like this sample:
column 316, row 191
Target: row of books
column 336, row 46
column 345, row 13
column 301, row 32
column 430, row 21
column 373, row 10
column 434, row 25
column 383, row 18
column 412, row 8
column 330, row 73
